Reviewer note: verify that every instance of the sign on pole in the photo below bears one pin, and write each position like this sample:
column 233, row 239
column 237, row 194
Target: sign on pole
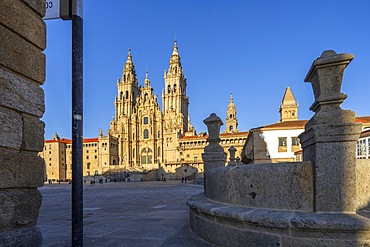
column 58, row 9
column 52, row 10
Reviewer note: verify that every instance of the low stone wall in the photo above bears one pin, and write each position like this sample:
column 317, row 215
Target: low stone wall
column 228, row 225
column 363, row 185
column 286, row 186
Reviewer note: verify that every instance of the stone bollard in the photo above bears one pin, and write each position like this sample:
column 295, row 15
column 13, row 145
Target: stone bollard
column 329, row 139
column 214, row 155
column 232, row 151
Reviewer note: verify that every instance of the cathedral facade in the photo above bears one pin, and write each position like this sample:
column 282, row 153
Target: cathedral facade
column 148, row 136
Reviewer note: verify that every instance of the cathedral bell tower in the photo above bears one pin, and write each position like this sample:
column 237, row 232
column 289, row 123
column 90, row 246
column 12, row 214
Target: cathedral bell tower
column 174, row 107
column 174, row 99
column 231, row 120
column 123, row 125
column 127, row 89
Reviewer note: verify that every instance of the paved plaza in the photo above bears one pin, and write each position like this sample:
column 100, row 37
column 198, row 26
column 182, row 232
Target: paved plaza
column 122, row 214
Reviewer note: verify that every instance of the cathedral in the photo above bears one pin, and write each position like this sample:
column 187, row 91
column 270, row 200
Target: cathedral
column 145, row 132
column 141, row 135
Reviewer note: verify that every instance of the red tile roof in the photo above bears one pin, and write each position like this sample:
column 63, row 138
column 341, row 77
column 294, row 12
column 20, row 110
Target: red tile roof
column 300, row 124
column 296, row 124
column 364, row 119
column 68, row 141
column 222, row 135
column 62, row 140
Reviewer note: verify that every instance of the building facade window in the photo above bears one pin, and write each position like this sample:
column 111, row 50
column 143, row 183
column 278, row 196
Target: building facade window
column 145, row 120
column 146, row 134
column 88, row 166
column 361, row 149
column 282, row 144
column 146, row 156
column 295, row 144
column 295, row 141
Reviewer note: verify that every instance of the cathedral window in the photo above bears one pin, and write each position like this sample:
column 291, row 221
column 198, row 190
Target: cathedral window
column 293, row 113
column 121, row 95
column 146, row 120
column 169, row 89
column 146, row 156
column 174, row 88
column 126, row 94
column 88, row 166
column 231, row 128
column 146, row 134
column 159, row 134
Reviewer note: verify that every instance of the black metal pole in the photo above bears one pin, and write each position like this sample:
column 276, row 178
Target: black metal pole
column 77, row 123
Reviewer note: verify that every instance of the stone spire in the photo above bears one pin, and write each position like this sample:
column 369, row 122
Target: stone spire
column 129, row 73
column 55, row 136
column 175, row 62
column 146, row 81
column 289, row 107
column 231, row 120
column 190, row 126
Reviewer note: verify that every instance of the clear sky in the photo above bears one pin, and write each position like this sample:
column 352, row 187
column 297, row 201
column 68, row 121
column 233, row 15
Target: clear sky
column 254, row 49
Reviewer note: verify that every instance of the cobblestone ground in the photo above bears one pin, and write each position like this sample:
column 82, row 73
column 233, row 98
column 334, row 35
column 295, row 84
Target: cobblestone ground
column 121, row 214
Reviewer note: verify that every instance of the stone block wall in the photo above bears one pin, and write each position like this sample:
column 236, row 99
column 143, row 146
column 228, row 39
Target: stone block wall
column 286, row 186
column 363, row 185
column 22, row 72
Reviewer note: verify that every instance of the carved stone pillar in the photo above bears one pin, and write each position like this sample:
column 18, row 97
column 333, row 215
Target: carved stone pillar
column 232, row 151
column 214, row 155
column 329, row 139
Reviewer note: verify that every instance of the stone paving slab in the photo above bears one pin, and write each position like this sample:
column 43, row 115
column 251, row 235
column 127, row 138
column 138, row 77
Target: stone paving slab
column 122, row 214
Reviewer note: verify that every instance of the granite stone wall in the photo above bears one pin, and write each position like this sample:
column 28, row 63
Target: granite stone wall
column 22, row 72
column 363, row 185
column 286, row 186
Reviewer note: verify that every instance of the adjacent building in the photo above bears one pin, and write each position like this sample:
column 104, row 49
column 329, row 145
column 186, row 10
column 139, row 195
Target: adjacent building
column 363, row 145
column 276, row 142
column 279, row 142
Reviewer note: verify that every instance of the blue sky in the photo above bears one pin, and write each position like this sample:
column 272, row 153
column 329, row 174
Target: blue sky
column 254, row 49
